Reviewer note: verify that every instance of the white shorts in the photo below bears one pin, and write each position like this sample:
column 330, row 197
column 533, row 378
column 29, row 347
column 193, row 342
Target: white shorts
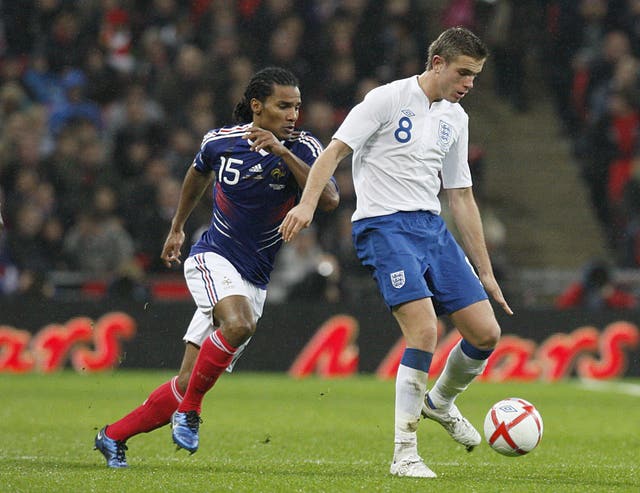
column 211, row 278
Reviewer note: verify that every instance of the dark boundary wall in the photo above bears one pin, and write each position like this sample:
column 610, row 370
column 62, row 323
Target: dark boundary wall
column 284, row 329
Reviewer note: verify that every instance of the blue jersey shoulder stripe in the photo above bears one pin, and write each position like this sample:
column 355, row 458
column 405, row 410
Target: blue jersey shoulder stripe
column 224, row 133
column 312, row 143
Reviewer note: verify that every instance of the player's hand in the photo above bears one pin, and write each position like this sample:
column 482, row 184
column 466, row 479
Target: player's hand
column 296, row 220
column 264, row 140
column 491, row 286
column 171, row 249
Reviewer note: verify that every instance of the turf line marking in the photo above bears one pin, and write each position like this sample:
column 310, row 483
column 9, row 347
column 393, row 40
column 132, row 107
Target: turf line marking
column 604, row 386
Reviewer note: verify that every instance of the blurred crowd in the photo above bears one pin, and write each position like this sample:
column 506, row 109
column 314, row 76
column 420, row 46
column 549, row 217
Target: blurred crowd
column 588, row 52
column 594, row 72
column 103, row 104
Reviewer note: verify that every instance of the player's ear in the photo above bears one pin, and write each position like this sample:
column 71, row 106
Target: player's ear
column 256, row 106
column 437, row 63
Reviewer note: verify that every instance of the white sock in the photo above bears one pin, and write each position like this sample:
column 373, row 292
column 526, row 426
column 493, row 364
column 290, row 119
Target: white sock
column 411, row 385
column 458, row 373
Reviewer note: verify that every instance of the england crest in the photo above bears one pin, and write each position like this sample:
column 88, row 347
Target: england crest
column 397, row 279
column 445, row 133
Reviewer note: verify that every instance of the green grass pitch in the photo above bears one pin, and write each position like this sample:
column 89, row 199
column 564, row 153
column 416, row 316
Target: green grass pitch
column 268, row 432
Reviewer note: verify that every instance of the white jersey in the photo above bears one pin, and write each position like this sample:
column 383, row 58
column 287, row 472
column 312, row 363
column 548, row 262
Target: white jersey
column 404, row 150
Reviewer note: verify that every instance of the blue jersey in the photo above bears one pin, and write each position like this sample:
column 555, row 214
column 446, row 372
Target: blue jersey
column 252, row 193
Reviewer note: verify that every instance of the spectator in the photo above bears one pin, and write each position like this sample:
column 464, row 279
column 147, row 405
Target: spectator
column 510, row 35
column 176, row 87
column 354, row 279
column 76, row 106
column 116, row 39
column 319, row 118
column 597, row 290
column 97, row 245
column 12, row 100
column 304, row 271
column 138, row 131
column 103, row 82
column 43, row 84
column 64, row 35
column 28, row 251
column 155, row 58
column 180, row 145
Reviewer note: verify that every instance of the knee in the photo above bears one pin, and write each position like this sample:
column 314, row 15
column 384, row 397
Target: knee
column 488, row 339
column 237, row 330
column 183, row 380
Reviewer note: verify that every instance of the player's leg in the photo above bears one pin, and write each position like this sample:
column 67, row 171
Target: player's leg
column 237, row 324
column 387, row 246
column 458, row 292
column 480, row 334
column 157, row 409
column 235, row 305
column 154, row 412
column 417, row 320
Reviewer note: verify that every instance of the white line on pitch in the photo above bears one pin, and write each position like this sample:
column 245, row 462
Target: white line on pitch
column 605, row 386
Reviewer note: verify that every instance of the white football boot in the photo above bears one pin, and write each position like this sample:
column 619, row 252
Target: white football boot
column 454, row 422
column 411, row 466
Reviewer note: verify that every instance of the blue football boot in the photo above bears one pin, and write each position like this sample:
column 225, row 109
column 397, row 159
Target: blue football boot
column 185, row 430
column 113, row 450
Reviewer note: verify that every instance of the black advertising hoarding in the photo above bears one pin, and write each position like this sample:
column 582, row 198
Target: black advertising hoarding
column 304, row 338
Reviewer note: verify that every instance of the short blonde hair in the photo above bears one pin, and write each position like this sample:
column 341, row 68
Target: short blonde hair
column 455, row 42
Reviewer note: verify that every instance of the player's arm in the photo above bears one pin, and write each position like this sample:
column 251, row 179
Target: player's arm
column 467, row 217
column 329, row 197
column 264, row 139
column 301, row 215
column 194, row 184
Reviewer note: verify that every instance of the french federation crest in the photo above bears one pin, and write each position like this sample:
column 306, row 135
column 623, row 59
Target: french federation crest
column 445, row 134
column 397, row 279
column 277, row 173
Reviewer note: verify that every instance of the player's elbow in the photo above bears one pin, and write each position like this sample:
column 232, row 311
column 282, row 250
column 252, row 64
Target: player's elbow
column 329, row 203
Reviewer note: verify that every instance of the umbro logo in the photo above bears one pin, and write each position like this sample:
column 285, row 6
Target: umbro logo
column 256, row 169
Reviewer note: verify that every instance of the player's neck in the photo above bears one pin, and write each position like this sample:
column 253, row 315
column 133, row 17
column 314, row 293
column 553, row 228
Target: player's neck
column 426, row 81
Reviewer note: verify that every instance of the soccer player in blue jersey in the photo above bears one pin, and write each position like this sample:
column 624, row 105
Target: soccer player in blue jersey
column 409, row 138
column 258, row 169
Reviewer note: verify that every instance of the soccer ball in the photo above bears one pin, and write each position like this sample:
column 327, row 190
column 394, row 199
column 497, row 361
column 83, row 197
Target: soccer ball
column 513, row 427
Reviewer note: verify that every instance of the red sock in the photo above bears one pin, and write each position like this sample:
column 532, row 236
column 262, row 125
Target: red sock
column 215, row 355
column 155, row 412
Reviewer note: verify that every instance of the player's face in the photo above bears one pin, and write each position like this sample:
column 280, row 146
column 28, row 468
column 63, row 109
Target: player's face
column 279, row 112
column 455, row 79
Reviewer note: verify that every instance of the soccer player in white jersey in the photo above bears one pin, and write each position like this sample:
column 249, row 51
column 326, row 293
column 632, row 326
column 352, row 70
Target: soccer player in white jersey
column 409, row 138
column 258, row 169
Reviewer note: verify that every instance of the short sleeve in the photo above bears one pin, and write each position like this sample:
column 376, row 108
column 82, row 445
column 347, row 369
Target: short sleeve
column 366, row 118
column 204, row 161
column 455, row 167
column 309, row 147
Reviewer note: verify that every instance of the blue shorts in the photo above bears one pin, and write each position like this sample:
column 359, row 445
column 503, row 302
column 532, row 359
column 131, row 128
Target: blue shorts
column 412, row 255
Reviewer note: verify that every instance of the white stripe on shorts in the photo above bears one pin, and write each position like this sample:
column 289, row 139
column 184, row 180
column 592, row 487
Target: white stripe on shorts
column 207, row 278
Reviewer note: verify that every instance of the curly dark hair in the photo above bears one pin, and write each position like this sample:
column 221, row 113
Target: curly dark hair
column 261, row 87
